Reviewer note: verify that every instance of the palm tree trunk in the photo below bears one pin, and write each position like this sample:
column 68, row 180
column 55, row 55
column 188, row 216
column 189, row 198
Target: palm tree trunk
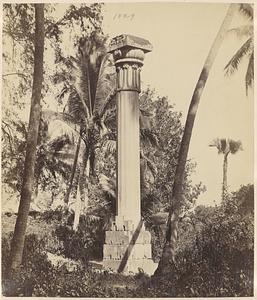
column 167, row 261
column 80, row 191
column 67, row 196
column 225, row 183
column 29, row 166
column 84, row 196
column 77, row 209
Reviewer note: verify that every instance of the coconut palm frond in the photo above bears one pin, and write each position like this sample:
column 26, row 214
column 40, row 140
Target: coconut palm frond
column 82, row 85
column 104, row 61
column 104, row 89
column 236, row 59
column 105, row 85
column 214, row 143
column 59, row 128
column 220, row 144
column 242, row 31
column 65, row 90
column 69, row 119
column 247, row 10
column 249, row 77
column 107, row 103
column 92, row 52
column 226, row 145
column 234, row 146
column 82, row 77
column 109, row 116
column 223, row 145
column 107, row 185
column 50, row 115
column 75, row 106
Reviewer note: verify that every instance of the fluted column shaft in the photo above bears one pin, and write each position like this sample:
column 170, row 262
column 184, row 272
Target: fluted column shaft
column 128, row 53
column 128, row 64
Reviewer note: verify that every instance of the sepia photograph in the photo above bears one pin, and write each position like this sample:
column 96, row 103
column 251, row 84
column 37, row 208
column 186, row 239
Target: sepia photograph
column 127, row 149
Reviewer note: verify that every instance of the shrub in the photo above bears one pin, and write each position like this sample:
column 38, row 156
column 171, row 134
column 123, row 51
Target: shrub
column 84, row 244
column 215, row 254
column 34, row 267
column 38, row 278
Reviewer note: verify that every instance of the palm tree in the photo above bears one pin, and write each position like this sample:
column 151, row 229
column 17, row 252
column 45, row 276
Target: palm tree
column 30, row 159
column 90, row 87
column 225, row 147
column 167, row 261
column 247, row 48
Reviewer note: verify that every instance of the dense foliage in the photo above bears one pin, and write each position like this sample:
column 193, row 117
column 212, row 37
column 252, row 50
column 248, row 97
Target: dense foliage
column 215, row 259
column 215, row 252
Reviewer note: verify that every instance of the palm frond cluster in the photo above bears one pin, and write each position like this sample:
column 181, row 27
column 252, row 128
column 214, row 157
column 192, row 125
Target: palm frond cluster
column 226, row 145
column 246, row 49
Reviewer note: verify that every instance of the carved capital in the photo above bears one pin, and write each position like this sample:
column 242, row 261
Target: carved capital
column 128, row 53
column 128, row 64
column 128, row 77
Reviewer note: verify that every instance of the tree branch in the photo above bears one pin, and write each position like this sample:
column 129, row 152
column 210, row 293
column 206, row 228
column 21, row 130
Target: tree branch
column 15, row 73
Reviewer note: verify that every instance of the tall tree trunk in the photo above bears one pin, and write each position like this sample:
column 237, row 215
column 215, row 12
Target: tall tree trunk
column 29, row 166
column 67, row 196
column 85, row 191
column 225, row 169
column 80, row 190
column 77, row 209
column 167, row 261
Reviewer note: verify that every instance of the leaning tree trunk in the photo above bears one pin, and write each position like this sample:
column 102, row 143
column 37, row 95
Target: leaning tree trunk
column 29, row 166
column 225, row 182
column 73, row 171
column 167, row 261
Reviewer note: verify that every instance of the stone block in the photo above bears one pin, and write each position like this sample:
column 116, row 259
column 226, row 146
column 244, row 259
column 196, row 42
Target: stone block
column 136, row 251
column 133, row 266
column 125, row 237
column 117, row 237
column 129, row 250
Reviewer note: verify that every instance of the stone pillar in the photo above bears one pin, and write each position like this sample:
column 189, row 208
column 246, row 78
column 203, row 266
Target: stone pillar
column 128, row 246
column 128, row 53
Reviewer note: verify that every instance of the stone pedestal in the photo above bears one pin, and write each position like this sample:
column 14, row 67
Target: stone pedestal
column 128, row 251
column 128, row 246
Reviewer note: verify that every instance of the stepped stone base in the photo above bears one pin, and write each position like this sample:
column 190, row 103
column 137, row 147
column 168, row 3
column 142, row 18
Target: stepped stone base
column 128, row 251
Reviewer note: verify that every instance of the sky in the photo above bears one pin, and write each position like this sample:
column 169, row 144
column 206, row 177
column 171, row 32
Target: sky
column 181, row 35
